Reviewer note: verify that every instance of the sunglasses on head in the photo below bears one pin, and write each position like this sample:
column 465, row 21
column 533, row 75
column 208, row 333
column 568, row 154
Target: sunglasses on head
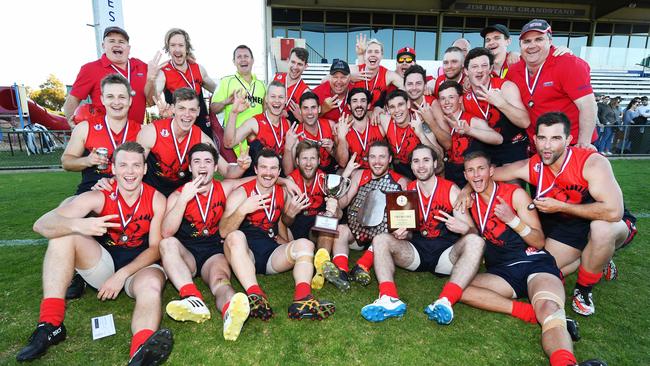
column 405, row 59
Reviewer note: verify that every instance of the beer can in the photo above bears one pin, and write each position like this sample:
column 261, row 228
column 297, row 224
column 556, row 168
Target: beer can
column 103, row 152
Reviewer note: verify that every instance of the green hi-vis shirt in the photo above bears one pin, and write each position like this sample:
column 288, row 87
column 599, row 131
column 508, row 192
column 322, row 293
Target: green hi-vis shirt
column 256, row 91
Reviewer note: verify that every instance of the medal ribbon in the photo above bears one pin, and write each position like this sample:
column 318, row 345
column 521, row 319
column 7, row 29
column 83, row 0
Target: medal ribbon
column 249, row 94
column 128, row 70
column 487, row 110
column 363, row 143
column 193, row 83
column 125, row 222
column 279, row 141
column 540, row 191
column 482, row 220
column 181, row 158
column 399, row 146
column 204, row 214
column 433, row 193
column 110, row 132
column 271, row 212
column 531, row 90
column 286, row 89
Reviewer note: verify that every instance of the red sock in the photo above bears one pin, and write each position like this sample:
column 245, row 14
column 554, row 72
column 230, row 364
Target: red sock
column 341, row 261
column 562, row 357
column 303, row 289
column 138, row 339
column 523, row 311
column 225, row 308
column 366, row 259
column 190, row 290
column 388, row 288
column 255, row 289
column 587, row 279
column 52, row 311
column 452, row 292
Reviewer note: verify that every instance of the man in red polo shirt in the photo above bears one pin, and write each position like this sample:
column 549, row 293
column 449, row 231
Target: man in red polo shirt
column 333, row 93
column 551, row 83
column 114, row 60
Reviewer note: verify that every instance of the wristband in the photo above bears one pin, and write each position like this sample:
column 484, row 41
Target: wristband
column 519, row 227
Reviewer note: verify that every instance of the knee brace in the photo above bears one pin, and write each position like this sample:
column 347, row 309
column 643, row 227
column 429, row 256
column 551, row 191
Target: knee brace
column 558, row 318
column 222, row 282
column 299, row 257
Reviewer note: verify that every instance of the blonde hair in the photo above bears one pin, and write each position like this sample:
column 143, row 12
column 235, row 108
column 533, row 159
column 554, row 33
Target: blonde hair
column 377, row 42
column 188, row 45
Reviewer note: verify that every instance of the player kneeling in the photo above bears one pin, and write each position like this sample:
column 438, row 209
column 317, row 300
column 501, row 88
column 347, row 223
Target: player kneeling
column 253, row 245
column 517, row 265
column 446, row 244
column 193, row 246
column 113, row 249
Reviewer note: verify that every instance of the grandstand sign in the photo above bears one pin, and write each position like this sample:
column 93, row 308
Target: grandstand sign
column 535, row 11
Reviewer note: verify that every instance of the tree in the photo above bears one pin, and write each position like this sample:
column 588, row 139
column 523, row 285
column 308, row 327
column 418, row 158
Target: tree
column 51, row 94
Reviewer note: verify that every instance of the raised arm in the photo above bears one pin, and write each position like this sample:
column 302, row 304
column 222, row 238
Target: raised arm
column 237, row 207
column 516, row 170
column 508, row 101
column 523, row 221
column 208, row 82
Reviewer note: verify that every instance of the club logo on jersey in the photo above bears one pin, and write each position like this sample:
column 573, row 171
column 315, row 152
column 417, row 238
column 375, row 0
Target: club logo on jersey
column 537, row 167
column 139, row 74
column 533, row 251
column 164, row 132
column 112, row 196
column 280, row 77
column 548, row 83
column 98, row 126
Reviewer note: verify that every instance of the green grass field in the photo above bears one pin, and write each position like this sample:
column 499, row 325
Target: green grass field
column 618, row 332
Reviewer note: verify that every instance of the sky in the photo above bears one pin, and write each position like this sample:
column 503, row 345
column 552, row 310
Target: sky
column 51, row 37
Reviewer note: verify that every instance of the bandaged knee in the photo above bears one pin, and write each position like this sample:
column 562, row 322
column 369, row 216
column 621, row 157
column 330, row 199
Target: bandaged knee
column 222, row 282
column 303, row 256
column 557, row 318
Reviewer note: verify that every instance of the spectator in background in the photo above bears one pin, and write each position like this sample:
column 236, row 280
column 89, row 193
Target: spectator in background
column 630, row 113
column 607, row 111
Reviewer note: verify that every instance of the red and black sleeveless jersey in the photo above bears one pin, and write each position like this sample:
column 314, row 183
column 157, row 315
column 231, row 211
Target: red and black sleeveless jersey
column 324, row 132
column 176, row 79
column 441, row 79
column 314, row 191
column 294, row 91
column 497, row 120
column 140, row 215
column 163, row 166
column 504, row 244
column 98, row 136
column 192, row 226
column 402, row 141
column 376, row 85
column 258, row 221
column 270, row 136
column 366, row 176
column 359, row 142
column 429, row 226
column 570, row 186
column 460, row 143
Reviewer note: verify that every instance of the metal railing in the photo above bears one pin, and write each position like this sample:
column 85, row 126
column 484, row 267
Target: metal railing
column 315, row 56
column 18, row 140
column 624, row 140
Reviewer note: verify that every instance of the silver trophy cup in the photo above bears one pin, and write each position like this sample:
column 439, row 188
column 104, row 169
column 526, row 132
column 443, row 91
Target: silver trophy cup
column 334, row 186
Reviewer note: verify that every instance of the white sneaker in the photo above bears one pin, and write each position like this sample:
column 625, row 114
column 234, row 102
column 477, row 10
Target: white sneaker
column 190, row 308
column 440, row 311
column 235, row 316
column 383, row 308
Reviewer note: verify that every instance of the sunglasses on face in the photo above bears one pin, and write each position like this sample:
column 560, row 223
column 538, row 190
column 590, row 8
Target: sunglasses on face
column 405, row 59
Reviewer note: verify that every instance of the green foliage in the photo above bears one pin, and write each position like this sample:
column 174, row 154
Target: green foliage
column 51, row 94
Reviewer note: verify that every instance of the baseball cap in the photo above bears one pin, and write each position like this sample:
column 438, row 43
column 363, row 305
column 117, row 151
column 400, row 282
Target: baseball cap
column 406, row 51
column 339, row 66
column 119, row 30
column 496, row 28
column 539, row 25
